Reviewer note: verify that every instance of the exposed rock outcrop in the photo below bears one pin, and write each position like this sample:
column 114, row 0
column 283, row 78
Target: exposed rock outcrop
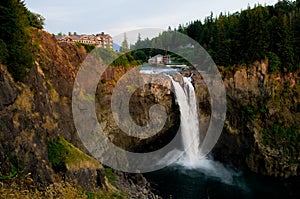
column 262, row 127
column 37, row 111
column 36, row 114
column 261, row 130
column 140, row 103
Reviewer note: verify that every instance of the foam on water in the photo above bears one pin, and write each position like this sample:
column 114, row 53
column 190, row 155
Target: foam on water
column 191, row 156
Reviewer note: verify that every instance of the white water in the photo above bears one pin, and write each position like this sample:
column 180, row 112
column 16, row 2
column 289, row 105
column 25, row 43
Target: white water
column 192, row 158
column 189, row 118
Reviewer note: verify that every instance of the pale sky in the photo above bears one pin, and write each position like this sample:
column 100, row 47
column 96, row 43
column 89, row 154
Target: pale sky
column 118, row 16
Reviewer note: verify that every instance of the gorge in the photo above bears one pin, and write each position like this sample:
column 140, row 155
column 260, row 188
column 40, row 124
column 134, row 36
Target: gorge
column 145, row 124
column 36, row 118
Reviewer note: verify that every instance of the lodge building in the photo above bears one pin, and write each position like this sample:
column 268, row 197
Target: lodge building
column 99, row 40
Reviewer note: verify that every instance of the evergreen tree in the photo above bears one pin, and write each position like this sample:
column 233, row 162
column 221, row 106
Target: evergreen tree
column 194, row 30
column 15, row 34
column 124, row 48
column 296, row 32
column 35, row 20
column 140, row 55
column 222, row 45
column 284, row 45
column 258, row 35
column 138, row 44
column 244, row 37
column 232, row 36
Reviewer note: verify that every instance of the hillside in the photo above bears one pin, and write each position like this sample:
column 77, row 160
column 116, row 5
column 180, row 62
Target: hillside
column 36, row 129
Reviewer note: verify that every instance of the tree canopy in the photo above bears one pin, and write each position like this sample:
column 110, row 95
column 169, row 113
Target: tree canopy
column 271, row 32
column 15, row 40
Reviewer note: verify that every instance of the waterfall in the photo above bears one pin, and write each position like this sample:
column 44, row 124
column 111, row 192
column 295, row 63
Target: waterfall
column 190, row 131
column 189, row 118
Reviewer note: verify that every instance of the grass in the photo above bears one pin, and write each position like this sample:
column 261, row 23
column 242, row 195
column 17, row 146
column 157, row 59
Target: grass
column 64, row 156
column 14, row 172
column 58, row 190
column 110, row 176
column 104, row 195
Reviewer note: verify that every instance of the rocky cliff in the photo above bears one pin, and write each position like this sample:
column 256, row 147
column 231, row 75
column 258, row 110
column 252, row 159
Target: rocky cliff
column 31, row 112
column 39, row 145
column 262, row 126
column 140, row 103
column 261, row 131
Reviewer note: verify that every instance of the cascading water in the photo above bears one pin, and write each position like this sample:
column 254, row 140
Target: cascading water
column 195, row 176
column 192, row 157
column 187, row 102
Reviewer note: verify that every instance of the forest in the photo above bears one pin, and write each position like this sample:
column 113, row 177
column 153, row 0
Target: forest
column 271, row 32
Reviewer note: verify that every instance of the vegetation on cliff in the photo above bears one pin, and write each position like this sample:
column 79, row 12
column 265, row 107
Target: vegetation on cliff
column 37, row 158
column 262, row 120
column 36, row 127
column 16, row 50
column 63, row 156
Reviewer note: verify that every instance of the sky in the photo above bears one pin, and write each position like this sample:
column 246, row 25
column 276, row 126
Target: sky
column 118, row 16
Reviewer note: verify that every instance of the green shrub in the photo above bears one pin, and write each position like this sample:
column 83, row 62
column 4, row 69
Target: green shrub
column 3, row 52
column 63, row 155
column 280, row 134
column 274, row 62
column 110, row 176
column 35, row 20
column 56, row 154
column 251, row 111
column 78, row 44
column 89, row 48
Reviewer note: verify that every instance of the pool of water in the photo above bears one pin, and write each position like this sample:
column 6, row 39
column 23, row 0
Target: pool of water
column 225, row 182
column 195, row 176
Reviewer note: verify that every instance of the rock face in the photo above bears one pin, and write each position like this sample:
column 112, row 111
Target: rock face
column 37, row 113
column 140, row 103
column 8, row 93
column 261, row 130
column 262, row 126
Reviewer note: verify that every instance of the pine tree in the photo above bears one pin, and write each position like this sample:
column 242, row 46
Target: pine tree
column 222, row 45
column 250, row 35
column 296, row 33
column 284, row 45
column 232, row 35
column 124, row 48
column 35, row 20
column 14, row 32
column 258, row 35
